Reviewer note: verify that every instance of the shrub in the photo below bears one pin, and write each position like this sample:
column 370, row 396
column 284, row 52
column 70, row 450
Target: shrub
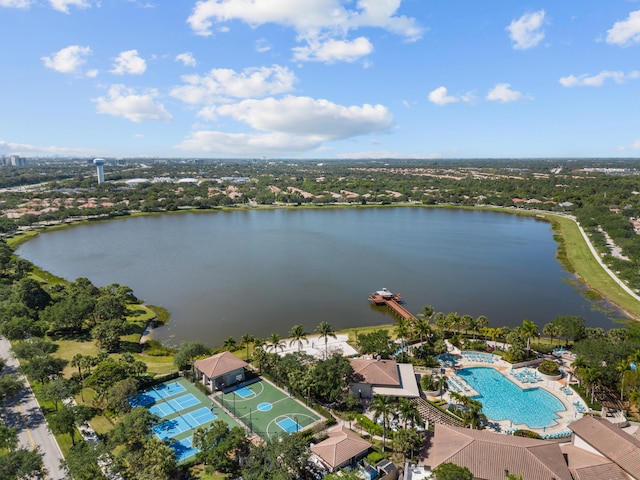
column 549, row 367
column 368, row 424
column 374, row 457
column 526, row 434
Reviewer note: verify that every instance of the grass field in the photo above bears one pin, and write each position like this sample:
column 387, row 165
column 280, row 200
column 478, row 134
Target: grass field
column 267, row 411
column 589, row 270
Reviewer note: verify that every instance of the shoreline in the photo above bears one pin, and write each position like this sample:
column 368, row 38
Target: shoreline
column 605, row 284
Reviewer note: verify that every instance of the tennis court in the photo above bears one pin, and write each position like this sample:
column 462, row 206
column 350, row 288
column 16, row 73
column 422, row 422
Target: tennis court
column 174, row 405
column 182, row 423
column 266, row 410
column 184, row 449
column 157, row 393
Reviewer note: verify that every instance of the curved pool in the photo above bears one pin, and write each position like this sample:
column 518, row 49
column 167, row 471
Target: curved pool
column 504, row 400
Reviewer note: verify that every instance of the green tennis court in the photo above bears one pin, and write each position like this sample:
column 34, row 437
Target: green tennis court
column 267, row 411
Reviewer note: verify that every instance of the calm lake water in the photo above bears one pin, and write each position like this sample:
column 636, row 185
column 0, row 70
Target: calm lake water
column 228, row 273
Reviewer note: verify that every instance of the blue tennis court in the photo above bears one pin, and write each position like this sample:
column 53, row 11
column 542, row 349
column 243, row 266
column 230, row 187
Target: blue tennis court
column 155, row 394
column 167, row 390
column 289, row 425
column 184, row 449
column 182, row 423
column 244, row 392
column 174, row 405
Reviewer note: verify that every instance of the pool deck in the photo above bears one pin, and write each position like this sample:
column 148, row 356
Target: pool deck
column 570, row 413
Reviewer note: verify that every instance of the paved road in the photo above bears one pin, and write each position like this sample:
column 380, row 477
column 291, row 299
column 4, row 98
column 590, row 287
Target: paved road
column 24, row 412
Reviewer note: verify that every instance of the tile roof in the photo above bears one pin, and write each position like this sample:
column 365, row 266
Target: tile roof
column 612, row 442
column 488, row 455
column 219, row 364
column 341, row 446
column 375, row 372
column 586, row 465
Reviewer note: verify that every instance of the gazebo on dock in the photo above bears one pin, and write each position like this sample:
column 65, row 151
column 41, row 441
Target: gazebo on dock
column 220, row 371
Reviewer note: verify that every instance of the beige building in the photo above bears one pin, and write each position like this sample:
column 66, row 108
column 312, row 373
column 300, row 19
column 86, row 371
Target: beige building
column 383, row 377
column 220, row 371
column 342, row 448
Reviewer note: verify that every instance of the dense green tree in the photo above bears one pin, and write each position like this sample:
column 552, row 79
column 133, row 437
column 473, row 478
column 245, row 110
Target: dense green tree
column 119, row 394
column 43, row 367
column 10, row 384
column 278, row 459
column 81, row 462
column 330, row 378
column 106, row 374
column 57, row 390
column 31, row 294
column 132, row 429
column 220, row 446
column 377, row 342
column 451, row 471
column 108, row 333
column 32, row 347
column 187, row 352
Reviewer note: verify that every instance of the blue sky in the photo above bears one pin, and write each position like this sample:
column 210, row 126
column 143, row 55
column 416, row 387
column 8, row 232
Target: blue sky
column 320, row 78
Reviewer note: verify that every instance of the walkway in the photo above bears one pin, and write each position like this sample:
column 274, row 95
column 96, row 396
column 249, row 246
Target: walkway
column 25, row 413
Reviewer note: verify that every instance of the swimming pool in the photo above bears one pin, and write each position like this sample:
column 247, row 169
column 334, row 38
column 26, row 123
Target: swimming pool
column 504, row 400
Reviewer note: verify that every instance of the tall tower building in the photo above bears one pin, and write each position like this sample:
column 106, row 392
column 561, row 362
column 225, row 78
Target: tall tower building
column 99, row 162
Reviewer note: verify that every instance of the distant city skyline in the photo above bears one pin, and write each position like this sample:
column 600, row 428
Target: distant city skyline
column 320, row 79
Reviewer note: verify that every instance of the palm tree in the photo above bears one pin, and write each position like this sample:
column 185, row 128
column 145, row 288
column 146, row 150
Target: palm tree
column 298, row 334
column 622, row 368
column 468, row 323
column 482, row 322
column 276, row 342
column 422, row 328
column 245, row 341
column 78, row 361
column 382, row 407
column 528, row 331
column 326, row 330
column 426, row 313
column 551, row 330
column 229, row 343
column 402, row 330
column 409, row 412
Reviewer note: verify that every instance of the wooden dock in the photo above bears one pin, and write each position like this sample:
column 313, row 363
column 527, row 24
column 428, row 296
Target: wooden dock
column 391, row 300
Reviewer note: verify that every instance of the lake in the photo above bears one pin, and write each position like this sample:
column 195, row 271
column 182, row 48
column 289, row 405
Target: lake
column 224, row 274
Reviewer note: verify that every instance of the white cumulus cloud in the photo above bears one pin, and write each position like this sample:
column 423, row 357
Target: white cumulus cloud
column 311, row 19
column 440, row 96
column 129, row 62
column 309, row 116
column 15, row 3
column 68, row 59
column 125, row 102
column 291, row 125
column 332, row 50
column 63, row 5
column 502, row 93
column 27, row 149
column 625, row 32
column 598, row 80
column 222, row 83
column 526, row 32
column 187, row 59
